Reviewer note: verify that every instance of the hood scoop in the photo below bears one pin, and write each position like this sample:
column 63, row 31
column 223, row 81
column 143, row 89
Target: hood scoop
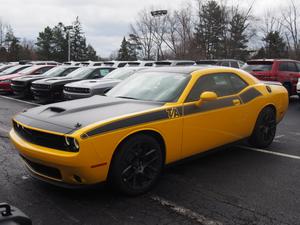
column 56, row 109
column 52, row 110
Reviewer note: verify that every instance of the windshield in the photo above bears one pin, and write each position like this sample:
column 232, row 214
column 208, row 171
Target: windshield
column 81, row 73
column 120, row 74
column 59, row 71
column 29, row 70
column 13, row 69
column 151, row 86
column 257, row 66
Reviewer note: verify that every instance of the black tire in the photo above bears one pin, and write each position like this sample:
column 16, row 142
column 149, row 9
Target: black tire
column 288, row 87
column 137, row 165
column 265, row 128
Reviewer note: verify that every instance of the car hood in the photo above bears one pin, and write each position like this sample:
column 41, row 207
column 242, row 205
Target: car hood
column 29, row 78
column 11, row 76
column 94, row 83
column 56, row 80
column 69, row 116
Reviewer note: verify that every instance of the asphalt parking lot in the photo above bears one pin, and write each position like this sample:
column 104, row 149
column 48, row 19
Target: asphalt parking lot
column 236, row 185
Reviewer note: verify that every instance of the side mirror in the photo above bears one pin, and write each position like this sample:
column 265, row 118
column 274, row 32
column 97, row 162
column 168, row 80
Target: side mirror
column 207, row 96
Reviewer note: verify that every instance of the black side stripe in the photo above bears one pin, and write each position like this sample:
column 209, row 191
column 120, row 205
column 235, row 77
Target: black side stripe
column 249, row 95
column 207, row 106
column 132, row 121
column 164, row 114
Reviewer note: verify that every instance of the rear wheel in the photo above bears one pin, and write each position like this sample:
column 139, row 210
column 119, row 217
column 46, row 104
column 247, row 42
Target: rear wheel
column 137, row 165
column 265, row 128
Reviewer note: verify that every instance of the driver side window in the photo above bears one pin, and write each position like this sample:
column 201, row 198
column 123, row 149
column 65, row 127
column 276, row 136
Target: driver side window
column 96, row 74
column 222, row 84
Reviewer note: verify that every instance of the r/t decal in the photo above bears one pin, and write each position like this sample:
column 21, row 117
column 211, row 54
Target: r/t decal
column 173, row 113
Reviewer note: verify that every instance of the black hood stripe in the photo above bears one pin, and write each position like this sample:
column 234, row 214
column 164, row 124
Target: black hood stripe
column 42, row 125
column 132, row 121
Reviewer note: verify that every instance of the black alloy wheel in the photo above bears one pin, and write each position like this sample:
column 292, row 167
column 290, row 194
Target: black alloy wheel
column 265, row 128
column 137, row 165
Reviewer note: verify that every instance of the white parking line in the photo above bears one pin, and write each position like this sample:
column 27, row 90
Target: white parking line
column 18, row 100
column 185, row 212
column 270, row 152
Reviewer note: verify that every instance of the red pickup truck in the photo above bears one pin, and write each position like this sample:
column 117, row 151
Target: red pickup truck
column 285, row 71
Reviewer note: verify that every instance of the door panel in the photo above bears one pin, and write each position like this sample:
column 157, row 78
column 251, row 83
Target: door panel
column 218, row 122
column 212, row 124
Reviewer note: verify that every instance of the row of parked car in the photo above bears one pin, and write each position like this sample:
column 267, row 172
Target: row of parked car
column 48, row 82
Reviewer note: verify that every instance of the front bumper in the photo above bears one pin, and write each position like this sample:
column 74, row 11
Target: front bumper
column 20, row 90
column 5, row 87
column 60, row 167
column 45, row 94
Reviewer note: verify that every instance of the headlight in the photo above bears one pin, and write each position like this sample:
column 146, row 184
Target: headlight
column 72, row 144
column 5, row 81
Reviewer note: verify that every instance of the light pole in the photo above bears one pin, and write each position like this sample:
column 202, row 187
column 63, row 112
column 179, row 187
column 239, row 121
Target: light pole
column 158, row 13
column 69, row 42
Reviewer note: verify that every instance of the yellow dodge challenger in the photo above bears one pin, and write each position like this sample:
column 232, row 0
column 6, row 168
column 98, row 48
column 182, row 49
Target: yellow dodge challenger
column 155, row 117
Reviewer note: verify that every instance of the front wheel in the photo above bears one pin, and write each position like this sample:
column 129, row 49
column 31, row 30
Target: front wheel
column 265, row 129
column 137, row 165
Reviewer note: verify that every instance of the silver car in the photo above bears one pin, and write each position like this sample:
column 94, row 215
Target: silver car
column 88, row 88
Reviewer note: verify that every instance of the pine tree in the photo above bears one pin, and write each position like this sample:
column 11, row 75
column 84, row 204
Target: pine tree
column 52, row 43
column 45, row 44
column 60, row 42
column 91, row 53
column 123, row 53
column 238, row 37
column 78, row 42
column 275, row 47
column 210, row 30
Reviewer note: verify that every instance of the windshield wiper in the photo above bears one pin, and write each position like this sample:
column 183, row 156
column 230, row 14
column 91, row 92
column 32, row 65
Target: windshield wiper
column 126, row 97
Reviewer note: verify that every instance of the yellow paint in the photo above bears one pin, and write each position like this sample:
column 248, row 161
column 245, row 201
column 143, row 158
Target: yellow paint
column 183, row 135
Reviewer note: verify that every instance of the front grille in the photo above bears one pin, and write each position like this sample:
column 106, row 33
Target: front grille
column 44, row 170
column 41, row 138
column 18, row 83
column 41, row 86
column 77, row 90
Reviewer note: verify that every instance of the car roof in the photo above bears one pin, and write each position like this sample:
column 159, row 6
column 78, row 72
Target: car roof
column 178, row 69
column 271, row 60
column 174, row 60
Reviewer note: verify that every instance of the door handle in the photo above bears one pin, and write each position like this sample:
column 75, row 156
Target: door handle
column 236, row 102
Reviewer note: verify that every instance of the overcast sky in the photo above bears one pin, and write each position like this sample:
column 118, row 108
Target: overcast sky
column 104, row 22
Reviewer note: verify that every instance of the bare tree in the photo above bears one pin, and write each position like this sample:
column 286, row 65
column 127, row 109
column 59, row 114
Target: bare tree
column 290, row 19
column 143, row 29
column 182, row 31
